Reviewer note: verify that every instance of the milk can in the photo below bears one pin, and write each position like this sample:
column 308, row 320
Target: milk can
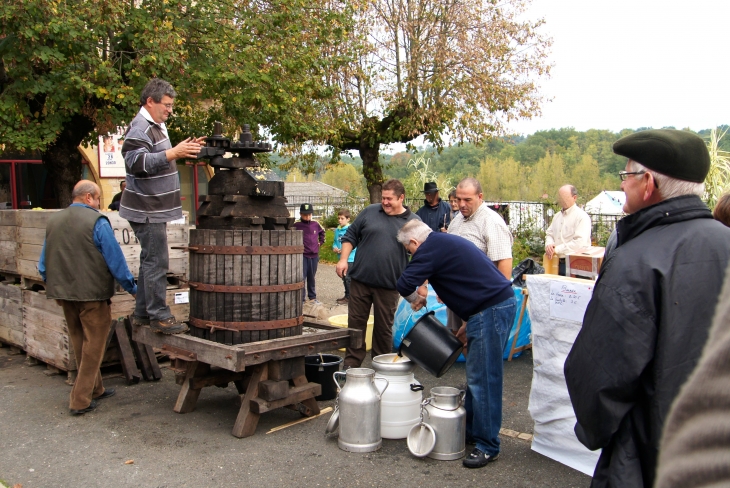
column 445, row 416
column 359, row 410
column 400, row 404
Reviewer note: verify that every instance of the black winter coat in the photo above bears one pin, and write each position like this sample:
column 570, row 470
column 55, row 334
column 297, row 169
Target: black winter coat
column 643, row 333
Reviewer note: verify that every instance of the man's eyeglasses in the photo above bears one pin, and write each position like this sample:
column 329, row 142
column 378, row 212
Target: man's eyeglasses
column 168, row 106
column 625, row 174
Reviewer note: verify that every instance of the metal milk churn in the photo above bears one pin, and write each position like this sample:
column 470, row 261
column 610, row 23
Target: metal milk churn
column 445, row 413
column 400, row 405
column 359, row 410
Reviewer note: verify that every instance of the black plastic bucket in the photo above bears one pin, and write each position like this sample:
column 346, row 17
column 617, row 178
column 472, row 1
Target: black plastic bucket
column 319, row 369
column 431, row 345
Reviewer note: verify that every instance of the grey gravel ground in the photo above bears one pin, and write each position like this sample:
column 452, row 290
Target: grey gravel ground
column 41, row 445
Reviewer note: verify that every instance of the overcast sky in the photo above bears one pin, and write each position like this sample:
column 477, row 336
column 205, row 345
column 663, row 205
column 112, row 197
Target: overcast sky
column 635, row 63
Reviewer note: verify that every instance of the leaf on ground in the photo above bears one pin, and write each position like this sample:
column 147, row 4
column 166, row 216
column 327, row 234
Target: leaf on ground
column 131, row 461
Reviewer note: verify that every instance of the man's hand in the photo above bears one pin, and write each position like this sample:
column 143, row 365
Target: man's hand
column 337, row 250
column 461, row 333
column 189, row 148
column 550, row 250
column 418, row 303
column 341, row 268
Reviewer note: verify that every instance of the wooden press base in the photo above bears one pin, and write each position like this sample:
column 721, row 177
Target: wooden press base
column 268, row 374
column 262, row 388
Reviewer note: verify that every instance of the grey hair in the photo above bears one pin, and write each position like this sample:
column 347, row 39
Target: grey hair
column 156, row 88
column 573, row 191
column 82, row 188
column 415, row 229
column 470, row 182
column 668, row 186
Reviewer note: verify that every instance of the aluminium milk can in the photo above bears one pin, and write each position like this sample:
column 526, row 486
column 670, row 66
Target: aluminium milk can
column 359, row 410
column 400, row 404
column 445, row 413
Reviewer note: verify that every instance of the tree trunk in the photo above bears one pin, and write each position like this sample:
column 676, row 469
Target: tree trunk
column 371, row 168
column 63, row 160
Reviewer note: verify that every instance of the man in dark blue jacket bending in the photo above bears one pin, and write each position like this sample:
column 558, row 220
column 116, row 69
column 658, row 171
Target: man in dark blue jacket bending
column 472, row 286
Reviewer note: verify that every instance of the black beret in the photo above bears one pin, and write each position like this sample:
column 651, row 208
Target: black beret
column 676, row 153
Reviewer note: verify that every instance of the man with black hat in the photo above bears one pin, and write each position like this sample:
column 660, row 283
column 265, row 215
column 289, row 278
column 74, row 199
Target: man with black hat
column 435, row 212
column 652, row 306
column 313, row 238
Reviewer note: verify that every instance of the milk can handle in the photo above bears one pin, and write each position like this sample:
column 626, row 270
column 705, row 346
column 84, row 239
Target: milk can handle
column 334, row 377
column 462, row 396
column 387, row 384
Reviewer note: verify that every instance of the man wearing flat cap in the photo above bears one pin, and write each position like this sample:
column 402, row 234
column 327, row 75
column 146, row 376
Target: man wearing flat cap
column 435, row 212
column 652, row 306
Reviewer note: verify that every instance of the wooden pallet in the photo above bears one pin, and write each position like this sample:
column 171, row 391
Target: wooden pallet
column 267, row 374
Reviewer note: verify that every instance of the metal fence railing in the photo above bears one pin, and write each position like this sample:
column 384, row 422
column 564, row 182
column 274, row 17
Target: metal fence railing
column 522, row 217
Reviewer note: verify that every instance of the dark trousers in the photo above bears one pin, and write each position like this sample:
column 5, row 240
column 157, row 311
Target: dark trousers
column 88, row 327
column 561, row 267
column 384, row 302
column 154, row 261
column 310, row 269
column 346, row 281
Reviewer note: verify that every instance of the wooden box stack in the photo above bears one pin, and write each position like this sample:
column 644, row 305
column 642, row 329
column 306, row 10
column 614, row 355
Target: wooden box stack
column 177, row 236
column 29, row 320
column 11, row 315
column 22, row 233
column 46, row 333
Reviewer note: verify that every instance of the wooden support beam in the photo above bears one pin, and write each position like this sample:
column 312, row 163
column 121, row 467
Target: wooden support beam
column 216, row 378
column 188, row 397
column 270, row 390
column 286, row 369
column 310, row 403
column 247, row 420
column 296, row 394
column 129, row 365
column 140, row 353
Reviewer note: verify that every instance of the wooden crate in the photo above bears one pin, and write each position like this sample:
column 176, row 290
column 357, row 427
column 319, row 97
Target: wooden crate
column 46, row 334
column 11, row 315
column 8, row 241
column 21, row 255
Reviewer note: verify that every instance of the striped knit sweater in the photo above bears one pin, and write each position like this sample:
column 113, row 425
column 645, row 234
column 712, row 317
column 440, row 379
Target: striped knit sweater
column 153, row 185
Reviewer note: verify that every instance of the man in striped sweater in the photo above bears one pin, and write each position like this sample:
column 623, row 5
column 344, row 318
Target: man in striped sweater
column 152, row 198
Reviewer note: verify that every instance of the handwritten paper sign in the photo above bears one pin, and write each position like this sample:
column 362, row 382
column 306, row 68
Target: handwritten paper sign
column 568, row 301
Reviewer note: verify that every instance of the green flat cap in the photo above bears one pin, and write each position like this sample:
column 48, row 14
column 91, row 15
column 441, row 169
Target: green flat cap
column 676, row 153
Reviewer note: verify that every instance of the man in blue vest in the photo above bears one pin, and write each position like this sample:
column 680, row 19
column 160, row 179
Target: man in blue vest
column 79, row 262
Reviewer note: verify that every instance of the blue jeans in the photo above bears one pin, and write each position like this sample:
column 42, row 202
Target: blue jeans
column 486, row 333
column 310, row 269
column 154, row 262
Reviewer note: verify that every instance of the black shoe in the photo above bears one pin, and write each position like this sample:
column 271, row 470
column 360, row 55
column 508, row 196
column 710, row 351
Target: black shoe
column 168, row 326
column 107, row 393
column 82, row 411
column 478, row 459
column 137, row 320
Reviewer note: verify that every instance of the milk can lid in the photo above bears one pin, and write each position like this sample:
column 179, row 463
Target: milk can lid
column 421, row 440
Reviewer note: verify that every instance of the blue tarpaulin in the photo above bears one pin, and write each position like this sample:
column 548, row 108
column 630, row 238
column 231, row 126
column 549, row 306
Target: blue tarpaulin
column 405, row 319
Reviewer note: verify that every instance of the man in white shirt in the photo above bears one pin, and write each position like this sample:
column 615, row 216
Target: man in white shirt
column 570, row 228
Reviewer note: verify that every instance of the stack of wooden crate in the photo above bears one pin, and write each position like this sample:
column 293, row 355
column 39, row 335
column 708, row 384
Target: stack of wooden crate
column 46, row 333
column 30, row 321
